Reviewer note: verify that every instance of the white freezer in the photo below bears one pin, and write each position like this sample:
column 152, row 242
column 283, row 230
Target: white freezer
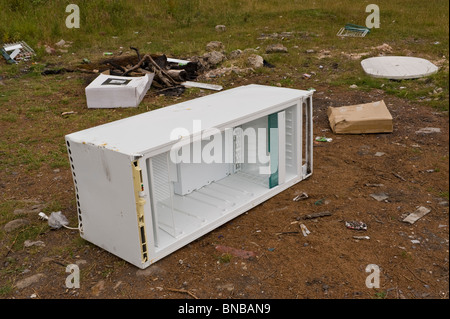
column 149, row 184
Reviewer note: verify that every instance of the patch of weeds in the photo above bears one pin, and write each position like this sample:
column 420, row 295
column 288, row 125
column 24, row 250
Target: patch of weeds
column 9, row 117
column 406, row 255
column 225, row 258
column 380, row 295
column 444, row 195
column 6, row 290
column 287, row 82
column 28, row 233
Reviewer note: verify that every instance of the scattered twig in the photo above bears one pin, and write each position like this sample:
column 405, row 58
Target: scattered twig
column 287, row 232
column 398, row 176
column 183, row 291
column 417, row 277
column 15, row 239
column 316, row 215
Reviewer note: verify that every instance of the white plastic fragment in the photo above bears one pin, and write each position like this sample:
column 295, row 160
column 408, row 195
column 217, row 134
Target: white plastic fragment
column 305, row 230
column 419, row 213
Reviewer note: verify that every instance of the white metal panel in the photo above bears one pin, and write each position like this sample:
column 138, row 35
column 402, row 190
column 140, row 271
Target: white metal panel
column 105, row 198
column 152, row 130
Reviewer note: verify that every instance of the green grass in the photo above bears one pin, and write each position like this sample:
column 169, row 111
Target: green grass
column 410, row 27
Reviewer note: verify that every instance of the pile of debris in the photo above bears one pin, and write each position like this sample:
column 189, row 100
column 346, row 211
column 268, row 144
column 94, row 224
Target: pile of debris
column 169, row 73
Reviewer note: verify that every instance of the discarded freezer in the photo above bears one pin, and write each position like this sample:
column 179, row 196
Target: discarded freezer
column 149, row 184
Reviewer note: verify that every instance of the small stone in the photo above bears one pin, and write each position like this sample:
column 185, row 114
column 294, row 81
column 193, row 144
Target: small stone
column 276, row 48
column 235, row 54
column 150, row 271
column 428, row 130
column 29, row 281
column 15, row 224
column 255, row 61
column 228, row 287
column 98, row 288
column 220, row 28
column 29, row 243
column 379, row 196
column 214, row 46
column 60, row 43
column 379, row 154
column 353, row 86
column 214, row 57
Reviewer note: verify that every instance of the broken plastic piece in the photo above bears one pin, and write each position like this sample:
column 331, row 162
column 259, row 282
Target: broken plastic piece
column 202, row 85
column 300, row 197
column 305, row 230
column 353, row 30
column 356, row 225
column 361, row 237
column 419, row 213
column 43, row 216
column 324, row 139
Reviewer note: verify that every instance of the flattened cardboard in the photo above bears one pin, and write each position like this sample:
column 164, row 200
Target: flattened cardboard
column 360, row 119
column 109, row 91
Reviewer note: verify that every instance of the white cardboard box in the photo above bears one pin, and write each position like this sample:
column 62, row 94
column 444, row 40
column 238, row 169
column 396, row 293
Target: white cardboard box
column 110, row 91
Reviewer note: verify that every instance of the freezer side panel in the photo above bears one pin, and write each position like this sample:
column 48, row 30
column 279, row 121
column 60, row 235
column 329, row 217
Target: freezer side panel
column 105, row 198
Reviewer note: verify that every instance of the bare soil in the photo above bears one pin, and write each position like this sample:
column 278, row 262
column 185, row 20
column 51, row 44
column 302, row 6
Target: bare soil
column 329, row 263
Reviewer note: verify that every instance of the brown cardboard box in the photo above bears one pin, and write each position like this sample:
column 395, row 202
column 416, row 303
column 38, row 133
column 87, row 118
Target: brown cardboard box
column 360, row 119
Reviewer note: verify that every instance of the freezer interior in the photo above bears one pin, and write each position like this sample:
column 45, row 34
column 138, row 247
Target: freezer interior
column 239, row 164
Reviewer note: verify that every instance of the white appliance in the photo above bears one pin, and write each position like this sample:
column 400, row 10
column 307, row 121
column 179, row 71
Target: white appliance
column 149, row 184
column 110, row 91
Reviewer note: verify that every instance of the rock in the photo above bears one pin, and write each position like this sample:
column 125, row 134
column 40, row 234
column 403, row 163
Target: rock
column 213, row 58
column 26, row 282
column 379, row 196
column 60, row 43
column 378, row 154
column 228, row 287
column 98, row 288
column 15, row 224
column 49, row 50
column 35, row 209
column 150, row 271
column 214, row 46
column 80, row 262
column 235, row 54
column 29, row 243
column 353, row 86
column 220, row 28
column 428, row 130
column 310, row 51
column 276, row 48
column 443, row 203
column 255, row 61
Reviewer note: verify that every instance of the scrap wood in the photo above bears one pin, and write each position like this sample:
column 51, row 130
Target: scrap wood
column 183, row 291
column 287, row 232
column 315, row 215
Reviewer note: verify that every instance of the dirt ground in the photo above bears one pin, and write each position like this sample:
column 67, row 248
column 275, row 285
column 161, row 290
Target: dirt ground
column 327, row 264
